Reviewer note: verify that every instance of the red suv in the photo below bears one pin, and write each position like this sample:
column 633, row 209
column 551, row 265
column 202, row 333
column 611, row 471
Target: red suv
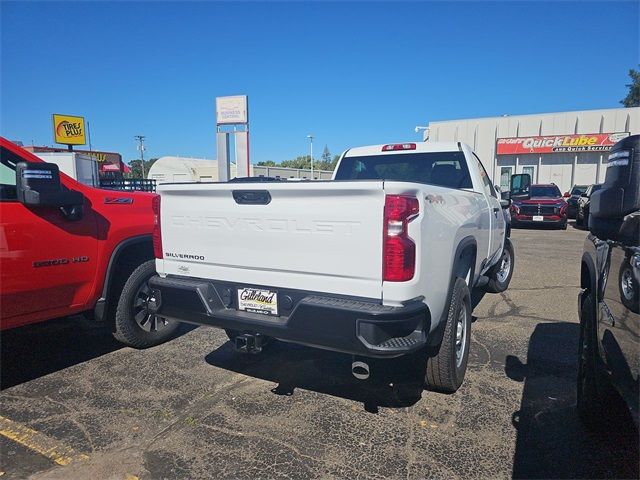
column 542, row 205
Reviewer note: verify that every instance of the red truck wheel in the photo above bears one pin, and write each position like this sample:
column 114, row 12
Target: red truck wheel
column 135, row 325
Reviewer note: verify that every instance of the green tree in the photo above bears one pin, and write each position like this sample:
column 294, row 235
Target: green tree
column 298, row 162
column 136, row 168
column 633, row 97
column 304, row 161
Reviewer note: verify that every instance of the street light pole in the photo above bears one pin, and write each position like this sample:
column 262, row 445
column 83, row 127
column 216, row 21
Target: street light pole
column 140, row 139
column 310, row 137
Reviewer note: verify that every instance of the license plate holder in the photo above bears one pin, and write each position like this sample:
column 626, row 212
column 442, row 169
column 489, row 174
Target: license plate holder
column 538, row 218
column 258, row 300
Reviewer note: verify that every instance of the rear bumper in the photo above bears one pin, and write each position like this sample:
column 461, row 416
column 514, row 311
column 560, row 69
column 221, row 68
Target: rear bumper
column 333, row 322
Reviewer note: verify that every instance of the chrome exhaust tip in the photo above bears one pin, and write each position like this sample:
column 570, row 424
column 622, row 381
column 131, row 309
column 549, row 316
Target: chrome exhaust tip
column 360, row 370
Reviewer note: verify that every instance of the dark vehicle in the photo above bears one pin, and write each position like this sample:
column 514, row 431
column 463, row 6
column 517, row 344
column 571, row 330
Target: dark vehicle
column 542, row 204
column 609, row 302
column 572, row 199
column 584, row 205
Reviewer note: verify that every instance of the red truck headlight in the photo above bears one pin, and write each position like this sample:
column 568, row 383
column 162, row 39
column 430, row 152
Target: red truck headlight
column 399, row 251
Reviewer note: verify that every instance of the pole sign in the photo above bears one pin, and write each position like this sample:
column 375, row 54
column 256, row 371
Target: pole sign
column 232, row 110
column 68, row 130
column 590, row 142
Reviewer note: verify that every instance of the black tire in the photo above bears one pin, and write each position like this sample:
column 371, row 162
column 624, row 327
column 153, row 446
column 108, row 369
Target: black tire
column 498, row 282
column 445, row 371
column 628, row 287
column 135, row 326
column 591, row 404
column 563, row 226
column 578, row 220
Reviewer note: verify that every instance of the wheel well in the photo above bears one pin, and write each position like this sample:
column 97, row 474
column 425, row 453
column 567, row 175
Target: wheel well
column 585, row 277
column 124, row 261
column 466, row 263
column 587, row 283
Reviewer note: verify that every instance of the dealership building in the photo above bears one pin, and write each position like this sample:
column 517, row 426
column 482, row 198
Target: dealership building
column 565, row 148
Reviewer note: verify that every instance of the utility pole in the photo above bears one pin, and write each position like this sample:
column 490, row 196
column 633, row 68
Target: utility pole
column 310, row 137
column 140, row 139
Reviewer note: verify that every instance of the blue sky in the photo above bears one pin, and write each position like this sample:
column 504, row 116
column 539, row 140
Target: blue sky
column 350, row 73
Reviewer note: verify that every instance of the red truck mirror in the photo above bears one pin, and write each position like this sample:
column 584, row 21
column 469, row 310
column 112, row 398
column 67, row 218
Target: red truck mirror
column 38, row 184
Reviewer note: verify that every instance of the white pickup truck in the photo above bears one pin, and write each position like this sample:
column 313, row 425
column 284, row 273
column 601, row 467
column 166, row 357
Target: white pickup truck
column 378, row 262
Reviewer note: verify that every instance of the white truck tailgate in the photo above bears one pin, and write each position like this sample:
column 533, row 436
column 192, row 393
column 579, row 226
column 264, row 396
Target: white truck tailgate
column 324, row 236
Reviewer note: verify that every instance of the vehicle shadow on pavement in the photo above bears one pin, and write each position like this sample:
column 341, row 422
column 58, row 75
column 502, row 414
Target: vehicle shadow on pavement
column 551, row 440
column 33, row 351
column 393, row 382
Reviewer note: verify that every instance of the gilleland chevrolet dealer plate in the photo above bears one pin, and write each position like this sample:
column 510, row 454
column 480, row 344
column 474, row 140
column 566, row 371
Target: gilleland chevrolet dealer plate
column 258, row 300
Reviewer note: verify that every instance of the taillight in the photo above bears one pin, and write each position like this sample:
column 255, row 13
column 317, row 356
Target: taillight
column 399, row 251
column 398, row 146
column 515, row 210
column 157, row 231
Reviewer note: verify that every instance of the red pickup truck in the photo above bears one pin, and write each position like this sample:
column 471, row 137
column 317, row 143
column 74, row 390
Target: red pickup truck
column 67, row 248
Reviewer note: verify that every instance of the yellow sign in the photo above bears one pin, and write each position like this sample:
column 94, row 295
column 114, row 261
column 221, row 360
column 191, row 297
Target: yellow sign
column 68, row 130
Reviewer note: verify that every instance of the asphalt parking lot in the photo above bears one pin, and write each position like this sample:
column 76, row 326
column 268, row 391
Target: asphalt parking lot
column 75, row 404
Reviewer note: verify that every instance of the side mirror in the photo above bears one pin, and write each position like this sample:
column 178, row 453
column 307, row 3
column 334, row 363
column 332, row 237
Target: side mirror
column 566, row 195
column 584, row 195
column 505, row 203
column 520, row 185
column 38, row 185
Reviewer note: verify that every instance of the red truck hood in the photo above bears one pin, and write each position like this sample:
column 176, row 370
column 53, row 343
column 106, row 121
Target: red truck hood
column 541, row 201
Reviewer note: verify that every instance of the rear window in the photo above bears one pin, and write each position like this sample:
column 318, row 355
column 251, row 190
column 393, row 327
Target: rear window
column 546, row 191
column 446, row 169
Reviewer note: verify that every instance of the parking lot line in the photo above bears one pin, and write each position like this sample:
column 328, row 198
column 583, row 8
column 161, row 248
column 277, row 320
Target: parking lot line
column 39, row 443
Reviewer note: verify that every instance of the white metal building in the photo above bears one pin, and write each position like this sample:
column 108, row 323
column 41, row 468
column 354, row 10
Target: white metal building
column 565, row 148
column 184, row 169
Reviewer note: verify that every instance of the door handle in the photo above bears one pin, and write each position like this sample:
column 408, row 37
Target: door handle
column 495, row 211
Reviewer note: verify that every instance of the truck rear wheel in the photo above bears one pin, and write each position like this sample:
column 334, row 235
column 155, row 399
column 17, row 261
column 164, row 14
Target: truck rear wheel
column 445, row 371
column 135, row 325
column 500, row 274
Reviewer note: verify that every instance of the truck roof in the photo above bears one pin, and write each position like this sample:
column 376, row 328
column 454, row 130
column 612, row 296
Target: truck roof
column 420, row 147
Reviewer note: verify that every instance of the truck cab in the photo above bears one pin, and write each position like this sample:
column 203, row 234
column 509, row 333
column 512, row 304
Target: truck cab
column 68, row 248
